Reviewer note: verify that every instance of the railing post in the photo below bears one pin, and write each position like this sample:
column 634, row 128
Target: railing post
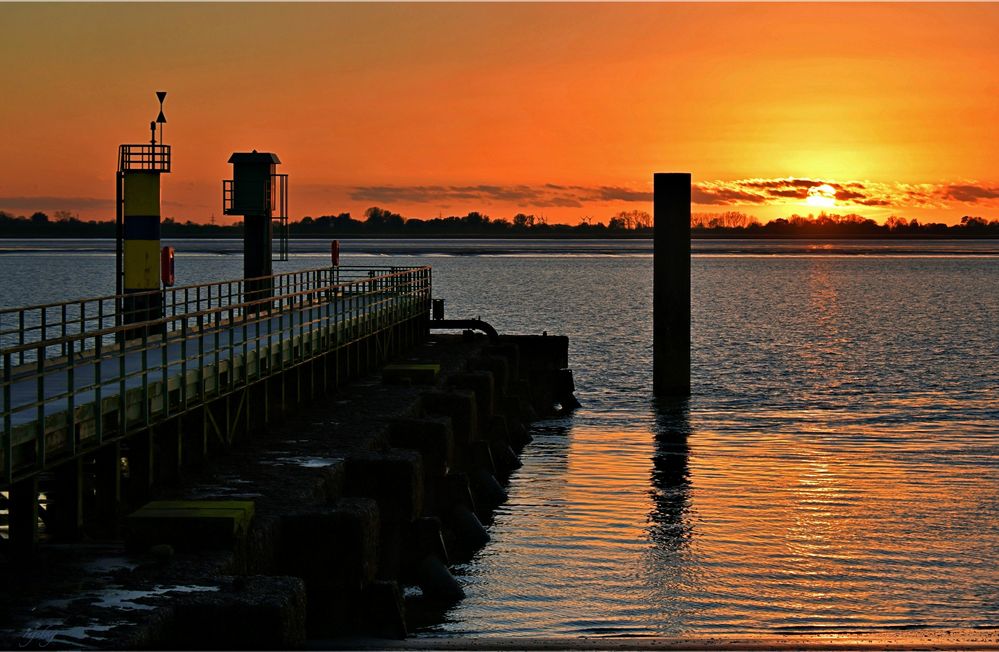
column 40, row 397
column 183, row 365
column 217, row 335
column 98, row 409
column 164, row 372
column 201, row 357
column 122, row 411
column 8, row 411
column 71, row 400
column 145, row 376
column 64, row 342
column 20, row 336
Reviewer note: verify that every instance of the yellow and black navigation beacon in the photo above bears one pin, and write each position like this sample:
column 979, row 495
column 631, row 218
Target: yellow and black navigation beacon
column 138, row 227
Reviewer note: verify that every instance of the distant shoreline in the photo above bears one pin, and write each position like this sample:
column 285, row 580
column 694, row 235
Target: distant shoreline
column 695, row 235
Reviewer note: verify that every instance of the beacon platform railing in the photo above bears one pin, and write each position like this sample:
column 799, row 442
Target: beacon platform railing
column 80, row 384
column 146, row 158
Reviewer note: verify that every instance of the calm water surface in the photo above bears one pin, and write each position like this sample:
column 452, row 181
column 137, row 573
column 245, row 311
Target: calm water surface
column 836, row 468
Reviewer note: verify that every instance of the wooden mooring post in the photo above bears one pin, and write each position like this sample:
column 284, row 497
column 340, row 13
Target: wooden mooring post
column 671, row 284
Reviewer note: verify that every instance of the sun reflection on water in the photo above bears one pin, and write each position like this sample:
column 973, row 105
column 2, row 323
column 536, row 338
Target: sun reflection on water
column 834, row 472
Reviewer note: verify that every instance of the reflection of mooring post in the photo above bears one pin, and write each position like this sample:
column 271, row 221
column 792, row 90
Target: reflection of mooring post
column 671, row 285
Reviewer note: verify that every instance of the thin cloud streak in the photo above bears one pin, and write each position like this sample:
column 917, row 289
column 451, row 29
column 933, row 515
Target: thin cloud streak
column 43, row 203
column 46, row 203
column 970, row 193
column 543, row 196
column 708, row 193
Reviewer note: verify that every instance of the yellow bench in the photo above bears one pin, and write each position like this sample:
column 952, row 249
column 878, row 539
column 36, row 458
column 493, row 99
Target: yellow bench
column 189, row 524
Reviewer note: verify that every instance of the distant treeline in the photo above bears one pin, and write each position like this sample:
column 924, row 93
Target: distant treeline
column 379, row 222
column 831, row 225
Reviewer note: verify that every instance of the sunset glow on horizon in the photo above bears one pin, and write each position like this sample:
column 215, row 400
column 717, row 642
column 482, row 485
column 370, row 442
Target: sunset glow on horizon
column 561, row 110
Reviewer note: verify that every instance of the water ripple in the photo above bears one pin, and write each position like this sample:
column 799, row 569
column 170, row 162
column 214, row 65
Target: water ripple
column 835, row 470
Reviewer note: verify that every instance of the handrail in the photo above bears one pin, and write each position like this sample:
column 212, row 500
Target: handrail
column 109, row 297
column 251, row 338
column 153, row 323
column 53, row 321
column 144, row 157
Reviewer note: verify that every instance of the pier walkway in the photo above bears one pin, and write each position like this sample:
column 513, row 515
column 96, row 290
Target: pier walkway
column 74, row 379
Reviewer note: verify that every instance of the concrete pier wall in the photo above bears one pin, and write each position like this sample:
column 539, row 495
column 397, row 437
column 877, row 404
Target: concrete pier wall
column 358, row 490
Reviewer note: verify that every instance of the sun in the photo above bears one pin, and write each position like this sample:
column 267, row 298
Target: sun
column 823, row 196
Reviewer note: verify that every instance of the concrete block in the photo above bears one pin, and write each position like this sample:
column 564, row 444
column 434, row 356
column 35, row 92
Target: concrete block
column 394, row 478
column 519, row 436
column 425, row 539
column 458, row 404
column 487, row 491
column 510, row 353
column 480, row 382
column 432, row 437
column 498, row 429
column 540, row 351
column 457, row 491
column 563, row 388
column 260, row 548
column 505, row 460
column 248, row 613
column 499, row 367
column 332, row 548
column 383, row 612
column 468, row 533
column 482, row 456
column 437, row 582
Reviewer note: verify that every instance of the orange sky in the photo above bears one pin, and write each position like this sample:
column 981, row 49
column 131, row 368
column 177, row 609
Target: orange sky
column 560, row 109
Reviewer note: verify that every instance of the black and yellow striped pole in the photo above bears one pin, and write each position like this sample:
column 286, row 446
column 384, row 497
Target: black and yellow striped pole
column 138, row 222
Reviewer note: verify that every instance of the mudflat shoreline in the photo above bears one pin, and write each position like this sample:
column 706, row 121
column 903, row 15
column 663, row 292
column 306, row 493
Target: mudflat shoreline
column 918, row 639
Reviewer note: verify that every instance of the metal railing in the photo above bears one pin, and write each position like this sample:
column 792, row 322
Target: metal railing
column 256, row 198
column 228, row 196
column 58, row 323
column 149, row 158
column 280, row 216
column 273, row 201
column 71, row 382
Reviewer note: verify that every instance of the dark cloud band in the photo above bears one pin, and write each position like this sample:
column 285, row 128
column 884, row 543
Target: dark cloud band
column 710, row 193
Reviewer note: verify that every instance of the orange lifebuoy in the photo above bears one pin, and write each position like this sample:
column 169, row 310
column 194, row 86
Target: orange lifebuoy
column 166, row 266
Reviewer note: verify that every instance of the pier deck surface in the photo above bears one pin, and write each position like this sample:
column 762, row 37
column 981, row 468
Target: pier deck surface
column 76, row 376
column 219, row 345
